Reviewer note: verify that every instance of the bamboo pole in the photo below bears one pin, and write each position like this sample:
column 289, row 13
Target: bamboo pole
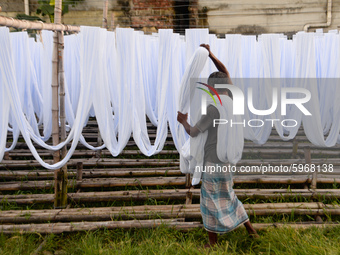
column 105, row 9
column 79, row 176
column 90, row 173
column 55, row 110
column 27, row 153
column 187, row 181
column 27, row 7
column 60, row 175
column 58, row 228
column 148, row 182
column 61, row 182
column 99, row 143
column 97, row 183
column 164, row 211
column 313, row 185
column 6, row 156
column 308, row 158
column 55, row 100
column 130, row 162
column 178, row 194
column 112, row 26
column 263, row 226
column 263, row 153
column 55, row 103
column 89, row 215
column 36, row 25
column 94, row 163
column 188, row 198
column 189, row 214
column 295, row 148
column 57, row 11
column 5, row 215
column 268, row 148
column 104, row 25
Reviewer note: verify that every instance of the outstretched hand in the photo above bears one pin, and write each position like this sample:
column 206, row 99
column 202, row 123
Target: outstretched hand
column 207, row 47
column 182, row 117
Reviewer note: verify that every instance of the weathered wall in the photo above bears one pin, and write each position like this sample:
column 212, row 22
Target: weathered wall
column 248, row 16
column 12, row 5
column 145, row 14
column 90, row 13
column 232, row 16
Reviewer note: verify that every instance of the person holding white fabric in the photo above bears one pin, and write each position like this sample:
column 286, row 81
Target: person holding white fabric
column 221, row 210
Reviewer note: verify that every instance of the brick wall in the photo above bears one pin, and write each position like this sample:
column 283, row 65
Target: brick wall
column 152, row 13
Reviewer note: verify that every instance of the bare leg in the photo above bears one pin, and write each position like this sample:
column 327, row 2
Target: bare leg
column 212, row 240
column 251, row 231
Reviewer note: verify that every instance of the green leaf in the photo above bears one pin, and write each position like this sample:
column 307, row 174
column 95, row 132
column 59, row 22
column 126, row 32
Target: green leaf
column 65, row 9
column 46, row 7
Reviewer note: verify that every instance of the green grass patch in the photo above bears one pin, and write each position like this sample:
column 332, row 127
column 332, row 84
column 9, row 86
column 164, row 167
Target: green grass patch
column 163, row 240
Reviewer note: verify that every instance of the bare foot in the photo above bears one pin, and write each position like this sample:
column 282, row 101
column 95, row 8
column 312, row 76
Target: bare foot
column 207, row 246
column 254, row 235
column 251, row 231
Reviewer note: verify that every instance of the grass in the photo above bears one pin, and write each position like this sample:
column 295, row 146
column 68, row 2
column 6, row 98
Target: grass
column 163, row 240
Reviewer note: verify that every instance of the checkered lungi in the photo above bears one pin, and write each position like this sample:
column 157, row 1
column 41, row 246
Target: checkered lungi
column 221, row 210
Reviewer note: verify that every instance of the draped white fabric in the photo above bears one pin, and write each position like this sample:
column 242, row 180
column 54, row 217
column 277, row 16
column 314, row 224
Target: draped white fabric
column 123, row 78
column 230, row 142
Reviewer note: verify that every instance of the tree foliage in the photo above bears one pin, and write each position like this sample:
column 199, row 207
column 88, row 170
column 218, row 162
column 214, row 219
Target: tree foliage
column 46, row 7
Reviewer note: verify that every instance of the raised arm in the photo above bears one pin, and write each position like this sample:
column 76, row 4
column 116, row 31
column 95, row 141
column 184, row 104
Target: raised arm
column 219, row 65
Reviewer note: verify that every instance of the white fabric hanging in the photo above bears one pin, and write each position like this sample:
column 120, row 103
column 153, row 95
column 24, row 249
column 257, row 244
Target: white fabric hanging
column 230, row 141
column 122, row 78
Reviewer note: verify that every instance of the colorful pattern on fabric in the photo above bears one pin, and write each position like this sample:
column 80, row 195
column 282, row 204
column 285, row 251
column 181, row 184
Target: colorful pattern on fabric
column 221, row 210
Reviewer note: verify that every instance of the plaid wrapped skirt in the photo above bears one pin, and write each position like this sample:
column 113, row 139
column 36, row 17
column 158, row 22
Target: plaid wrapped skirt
column 221, row 210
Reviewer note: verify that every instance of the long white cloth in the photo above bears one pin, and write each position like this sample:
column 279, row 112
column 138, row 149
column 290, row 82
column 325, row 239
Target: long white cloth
column 230, row 141
column 120, row 78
